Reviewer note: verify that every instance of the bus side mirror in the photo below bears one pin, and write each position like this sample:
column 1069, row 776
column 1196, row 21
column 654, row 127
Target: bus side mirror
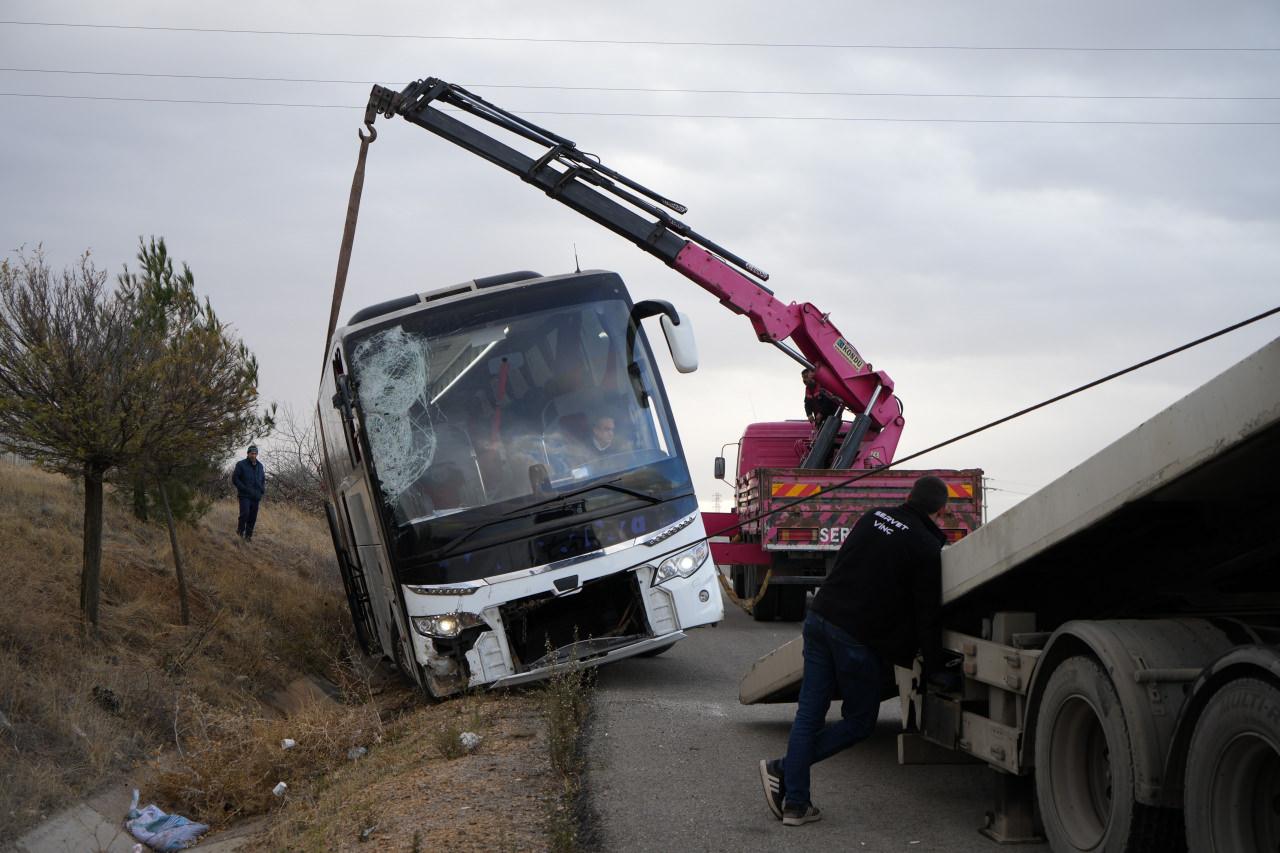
column 681, row 342
column 719, row 467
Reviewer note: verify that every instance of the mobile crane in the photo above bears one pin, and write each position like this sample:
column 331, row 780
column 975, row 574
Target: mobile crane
column 584, row 184
column 776, row 549
column 434, row 406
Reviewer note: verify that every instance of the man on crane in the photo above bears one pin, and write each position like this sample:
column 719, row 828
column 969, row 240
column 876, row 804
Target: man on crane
column 878, row 607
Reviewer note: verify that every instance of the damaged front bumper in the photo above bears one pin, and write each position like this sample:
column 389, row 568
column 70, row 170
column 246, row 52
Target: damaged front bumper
column 629, row 650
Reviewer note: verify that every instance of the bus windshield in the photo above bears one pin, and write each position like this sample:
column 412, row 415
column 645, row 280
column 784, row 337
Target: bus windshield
column 511, row 398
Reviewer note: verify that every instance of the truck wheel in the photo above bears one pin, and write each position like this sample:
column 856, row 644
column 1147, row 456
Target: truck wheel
column 791, row 603
column 1232, row 790
column 739, row 576
column 1084, row 774
column 766, row 609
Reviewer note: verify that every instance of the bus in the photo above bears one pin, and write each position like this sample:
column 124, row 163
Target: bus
column 506, row 489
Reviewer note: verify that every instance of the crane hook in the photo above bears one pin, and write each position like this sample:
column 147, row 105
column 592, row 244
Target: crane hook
column 373, row 133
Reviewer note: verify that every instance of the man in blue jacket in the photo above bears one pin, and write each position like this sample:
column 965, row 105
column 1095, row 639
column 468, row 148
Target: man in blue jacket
column 250, row 481
column 877, row 608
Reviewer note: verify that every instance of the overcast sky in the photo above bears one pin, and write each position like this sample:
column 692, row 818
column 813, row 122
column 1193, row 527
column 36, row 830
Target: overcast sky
column 985, row 248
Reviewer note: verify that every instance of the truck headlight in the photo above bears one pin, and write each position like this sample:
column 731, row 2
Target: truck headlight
column 682, row 563
column 446, row 626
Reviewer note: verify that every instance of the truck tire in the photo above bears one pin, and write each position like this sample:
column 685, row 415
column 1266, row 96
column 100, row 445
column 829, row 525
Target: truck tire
column 739, row 576
column 1084, row 773
column 766, row 609
column 791, row 603
column 1232, row 789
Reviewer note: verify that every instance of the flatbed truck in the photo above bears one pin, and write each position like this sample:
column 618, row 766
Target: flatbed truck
column 1118, row 637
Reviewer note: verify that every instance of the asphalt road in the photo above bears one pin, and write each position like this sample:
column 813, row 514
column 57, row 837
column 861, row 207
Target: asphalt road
column 672, row 763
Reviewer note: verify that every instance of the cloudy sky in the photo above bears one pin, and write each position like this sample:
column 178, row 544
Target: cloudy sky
column 995, row 201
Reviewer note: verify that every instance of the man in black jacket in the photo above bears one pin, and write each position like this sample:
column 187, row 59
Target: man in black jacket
column 878, row 607
column 250, row 481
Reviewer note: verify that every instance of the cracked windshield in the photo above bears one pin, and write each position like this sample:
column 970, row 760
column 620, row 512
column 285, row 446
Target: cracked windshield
column 484, row 404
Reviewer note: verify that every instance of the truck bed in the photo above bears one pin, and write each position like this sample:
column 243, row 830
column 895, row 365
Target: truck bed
column 1171, row 516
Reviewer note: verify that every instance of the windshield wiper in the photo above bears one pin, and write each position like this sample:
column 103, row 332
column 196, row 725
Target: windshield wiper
column 611, row 485
column 471, row 531
column 490, row 521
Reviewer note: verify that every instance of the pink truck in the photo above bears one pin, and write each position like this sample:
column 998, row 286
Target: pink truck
column 792, row 526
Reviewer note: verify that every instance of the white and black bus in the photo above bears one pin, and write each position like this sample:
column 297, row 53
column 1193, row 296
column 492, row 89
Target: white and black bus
column 507, row 490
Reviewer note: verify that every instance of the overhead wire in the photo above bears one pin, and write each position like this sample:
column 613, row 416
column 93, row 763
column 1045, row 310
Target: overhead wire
column 653, row 90
column 657, row 42
column 730, row 116
column 871, row 472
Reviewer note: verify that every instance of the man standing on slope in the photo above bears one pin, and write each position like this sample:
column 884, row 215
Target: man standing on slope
column 878, row 607
column 250, row 481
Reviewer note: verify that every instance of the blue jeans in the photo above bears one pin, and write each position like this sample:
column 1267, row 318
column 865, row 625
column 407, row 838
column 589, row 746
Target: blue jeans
column 832, row 659
column 248, row 517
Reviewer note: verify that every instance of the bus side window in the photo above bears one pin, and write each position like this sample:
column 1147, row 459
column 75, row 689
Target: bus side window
column 348, row 423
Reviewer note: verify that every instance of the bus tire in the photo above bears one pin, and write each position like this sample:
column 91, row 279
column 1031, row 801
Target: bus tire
column 1084, row 772
column 404, row 664
column 1232, row 789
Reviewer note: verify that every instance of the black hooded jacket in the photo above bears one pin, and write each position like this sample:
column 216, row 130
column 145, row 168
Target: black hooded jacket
column 886, row 586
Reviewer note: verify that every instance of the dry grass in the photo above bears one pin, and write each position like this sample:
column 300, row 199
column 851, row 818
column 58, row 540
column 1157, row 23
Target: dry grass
column 566, row 704
column 406, row 796
column 77, row 709
column 231, row 760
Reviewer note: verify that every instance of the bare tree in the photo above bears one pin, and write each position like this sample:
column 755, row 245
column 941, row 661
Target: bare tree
column 69, row 385
column 295, row 471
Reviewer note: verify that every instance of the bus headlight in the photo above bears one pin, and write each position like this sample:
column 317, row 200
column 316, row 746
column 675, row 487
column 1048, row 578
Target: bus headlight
column 682, row 563
column 446, row 626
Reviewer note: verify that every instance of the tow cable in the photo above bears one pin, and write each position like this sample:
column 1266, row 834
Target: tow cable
column 747, row 604
column 349, row 228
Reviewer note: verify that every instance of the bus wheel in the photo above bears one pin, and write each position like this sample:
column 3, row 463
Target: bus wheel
column 1084, row 775
column 1232, row 790
column 405, row 664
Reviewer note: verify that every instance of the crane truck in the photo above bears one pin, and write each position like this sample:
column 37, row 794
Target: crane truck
column 792, row 510
column 486, row 527
column 1117, row 635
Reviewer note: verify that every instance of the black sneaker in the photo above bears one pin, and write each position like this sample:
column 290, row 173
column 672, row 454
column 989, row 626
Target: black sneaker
column 771, row 778
column 797, row 815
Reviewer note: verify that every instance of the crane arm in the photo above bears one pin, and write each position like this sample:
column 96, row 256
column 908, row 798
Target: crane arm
column 581, row 182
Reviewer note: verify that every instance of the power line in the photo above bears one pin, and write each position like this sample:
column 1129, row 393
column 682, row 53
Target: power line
column 731, row 116
column 651, row 90
column 653, row 559
column 992, row 424
column 651, row 42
